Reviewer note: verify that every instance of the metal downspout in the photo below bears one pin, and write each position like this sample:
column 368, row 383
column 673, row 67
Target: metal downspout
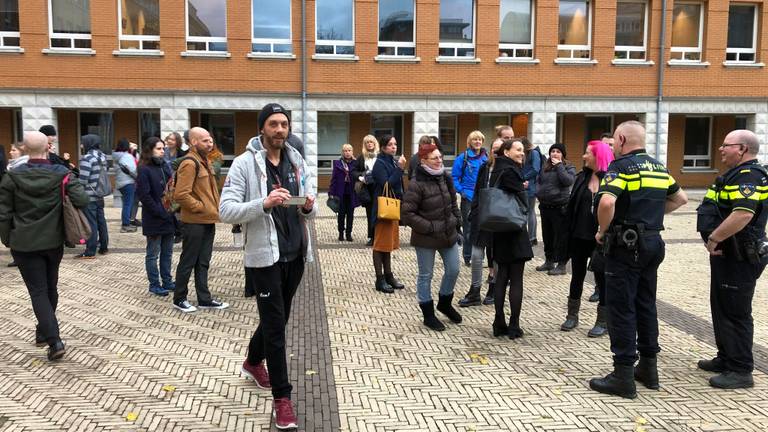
column 660, row 89
column 304, row 71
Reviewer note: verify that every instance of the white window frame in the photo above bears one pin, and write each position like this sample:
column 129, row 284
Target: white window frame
column 572, row 48
column 740, row 51
column 395, row 45
column 273, row 41
column 627, row 49
column 337, row 43
column 133, row 38
column 455, row 46
column 71, row 36
column 684, row 51
column 207, row 40
column 515, row 47
column 325, row 158
column 699, row 158
column 7, row 34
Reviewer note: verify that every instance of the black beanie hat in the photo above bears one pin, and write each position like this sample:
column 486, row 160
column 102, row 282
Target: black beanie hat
column 270, row 109
column 48, row 130
column 560, row 147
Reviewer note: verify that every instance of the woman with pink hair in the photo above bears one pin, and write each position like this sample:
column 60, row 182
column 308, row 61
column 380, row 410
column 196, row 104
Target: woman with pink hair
column 581, row 235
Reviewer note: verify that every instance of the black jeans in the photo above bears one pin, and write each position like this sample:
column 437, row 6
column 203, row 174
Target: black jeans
column 732, row 288
column 196, row 251
column 466, row 248
column 346, row 214
column 631, row 298
column 275, row 287
column 509, row 274
column 581, row 251
column 40, row 271
column 554, row 230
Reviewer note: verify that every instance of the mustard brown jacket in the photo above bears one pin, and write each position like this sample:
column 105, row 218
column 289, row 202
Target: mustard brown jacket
column 196, row 190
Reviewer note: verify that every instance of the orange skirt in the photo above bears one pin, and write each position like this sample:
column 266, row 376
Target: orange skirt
column 386, row 235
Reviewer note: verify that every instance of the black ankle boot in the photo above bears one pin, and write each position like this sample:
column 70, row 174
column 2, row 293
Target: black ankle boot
column 349, row 236
column 444, row 305
column 383, row 286
column 572, row 318
column 646, row 372
column 394, row 283
column 601, row 323
column 472, row 298
column 56, row 350
column 341, row 236
column 488, row 300
column 430, row 320
column 500, row 327
column 620, row 382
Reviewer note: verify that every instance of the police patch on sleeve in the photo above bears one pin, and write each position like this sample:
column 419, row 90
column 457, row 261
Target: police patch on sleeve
column 610, row 176
column 747, row 189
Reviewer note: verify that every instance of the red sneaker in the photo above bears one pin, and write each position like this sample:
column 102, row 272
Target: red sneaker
column 282, row 411
column 258, row 373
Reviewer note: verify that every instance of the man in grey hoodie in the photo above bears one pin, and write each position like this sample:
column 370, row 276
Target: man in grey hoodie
column 270, row 192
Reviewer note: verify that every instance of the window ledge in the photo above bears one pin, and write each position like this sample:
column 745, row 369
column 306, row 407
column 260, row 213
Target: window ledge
column 271, row 56
column 69, row 51
column 621, row 62
column 457, row 60
column 336, row 57
column 138, row 53
column 11, row 50
column 685, row 63
column 734, row 64
column 206, row 54
column 698, row 171
column 396, row 59
column 513, row 60
column 575, row 62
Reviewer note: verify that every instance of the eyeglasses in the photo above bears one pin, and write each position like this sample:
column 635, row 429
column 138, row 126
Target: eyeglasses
column 730, row 145
column 434, row 158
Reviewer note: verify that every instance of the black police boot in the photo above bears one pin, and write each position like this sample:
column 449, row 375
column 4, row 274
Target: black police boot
column 430, row 320
column 446, row 308
column 548, row 265
column 383, row 286
column 572, row 318
column 619, row 382
column 472, row 298
column 601, row 323
column 394, row 283
column 341, row 235
column 715, row 365
column 732, row 380
column 646, row 372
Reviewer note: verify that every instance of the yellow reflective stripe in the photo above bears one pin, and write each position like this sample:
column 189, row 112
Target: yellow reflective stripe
column 628, row 176
column 730, row 187
column 737, row 195
column 617, row 183
column 634, row 185
column 655, row 183
column 711, row 194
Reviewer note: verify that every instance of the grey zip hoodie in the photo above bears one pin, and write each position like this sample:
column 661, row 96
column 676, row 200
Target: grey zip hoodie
column 242, row 200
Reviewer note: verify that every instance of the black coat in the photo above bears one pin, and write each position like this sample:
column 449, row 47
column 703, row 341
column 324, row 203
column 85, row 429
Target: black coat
column 385, row 170
column 430, row 209
column 150, row 184
column 509, row 247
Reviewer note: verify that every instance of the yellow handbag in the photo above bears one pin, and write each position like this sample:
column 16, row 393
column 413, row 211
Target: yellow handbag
column 388, row 205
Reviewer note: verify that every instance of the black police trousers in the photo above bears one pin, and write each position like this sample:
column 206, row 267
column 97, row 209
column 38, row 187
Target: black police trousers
column 732, row 287
column 630, row 286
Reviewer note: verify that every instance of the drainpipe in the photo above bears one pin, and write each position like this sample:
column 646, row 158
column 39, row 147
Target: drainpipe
column 304, row 71
column 660, row 90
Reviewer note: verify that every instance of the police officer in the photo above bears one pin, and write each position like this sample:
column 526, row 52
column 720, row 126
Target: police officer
column 634, row 195
column 732, row 221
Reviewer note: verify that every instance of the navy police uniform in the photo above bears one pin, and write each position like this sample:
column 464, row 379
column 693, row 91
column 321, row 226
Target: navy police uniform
column 634, row 250
column 734, row 274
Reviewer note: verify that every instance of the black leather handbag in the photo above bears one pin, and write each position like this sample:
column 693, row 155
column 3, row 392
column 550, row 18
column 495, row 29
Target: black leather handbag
column 500, row 211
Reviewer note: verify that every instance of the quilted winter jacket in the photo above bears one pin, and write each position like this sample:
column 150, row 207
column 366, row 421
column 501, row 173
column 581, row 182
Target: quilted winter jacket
column 429, row 208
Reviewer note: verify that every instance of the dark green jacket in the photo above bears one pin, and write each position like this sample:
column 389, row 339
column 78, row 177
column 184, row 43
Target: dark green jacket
column 31, row 216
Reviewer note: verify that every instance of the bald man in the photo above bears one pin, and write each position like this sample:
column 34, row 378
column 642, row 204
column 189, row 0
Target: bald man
column 634, row 195
column 731, row 220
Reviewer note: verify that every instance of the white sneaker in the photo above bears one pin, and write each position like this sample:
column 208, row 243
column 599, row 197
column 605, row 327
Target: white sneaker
column 214, row 304
column 185, row 306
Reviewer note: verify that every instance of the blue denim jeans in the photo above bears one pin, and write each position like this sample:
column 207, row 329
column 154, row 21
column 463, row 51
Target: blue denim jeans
column 99, row 234
column 127, row 193
column 162, row 246
column 426, row 260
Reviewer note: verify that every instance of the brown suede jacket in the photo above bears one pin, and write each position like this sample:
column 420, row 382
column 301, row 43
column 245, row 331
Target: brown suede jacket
column 198, row 197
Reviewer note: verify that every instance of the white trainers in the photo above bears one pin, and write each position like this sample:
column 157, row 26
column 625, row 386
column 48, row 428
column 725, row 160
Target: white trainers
column 185, row 306
column 214, row 304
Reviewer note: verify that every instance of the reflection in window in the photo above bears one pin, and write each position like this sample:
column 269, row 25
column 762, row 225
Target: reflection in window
column 630, row 30
column 70, row 23
column 457, row 28
column 742, row 37
column 149, row 125
column 687, row 26
column 99, row 123
column 396, row 29
column 574, row 29
column 697, row 142
column 9, row 23
column 488, row 123
column 139, row 24
column 206, row 25
column 332, row 132
column 448, row 133
column 388, row 124
column 515, row 31
column 271, row 26
column 221, row 126
column 335, row 27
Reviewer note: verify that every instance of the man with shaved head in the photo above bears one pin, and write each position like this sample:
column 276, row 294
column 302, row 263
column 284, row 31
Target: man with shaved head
column 634, row 195
column 197, row 194
column 731, row 220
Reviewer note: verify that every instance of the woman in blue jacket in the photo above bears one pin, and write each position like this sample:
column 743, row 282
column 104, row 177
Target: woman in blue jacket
column 158, row 225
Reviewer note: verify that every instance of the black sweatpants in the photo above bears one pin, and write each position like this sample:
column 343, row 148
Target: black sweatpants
column 554, row 230
column 196, row 251
column 275, row 287
column 40, row 271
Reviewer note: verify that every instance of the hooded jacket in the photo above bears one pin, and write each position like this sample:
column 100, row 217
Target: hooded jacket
column 242, row 202
column 129, row 162
column 465, row 169
column 429, row 208
column 91, row 164
column 553, row 185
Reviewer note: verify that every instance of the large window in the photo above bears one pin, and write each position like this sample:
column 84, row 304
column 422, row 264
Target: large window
column 687, row 30
column 457, row 28
column 332, row 132
column 221, row 126
column 574, row 29
column 596, row 126
column 397, row 34
column 447, row 134
column 9, row 23
column 271, row 27
column 99, row 123
column 516, row 28
column 698, row 136
column 335, row 27
column 742, row 34
column 207, row 25
column 69, row 24
column 389, row 124
column 488, row 123
column 149, row 125
column 139, row 23
column 631, row 30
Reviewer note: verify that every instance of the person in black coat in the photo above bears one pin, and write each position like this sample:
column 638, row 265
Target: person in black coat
column 510, row 249
column 364, row 180
column 158, row 225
